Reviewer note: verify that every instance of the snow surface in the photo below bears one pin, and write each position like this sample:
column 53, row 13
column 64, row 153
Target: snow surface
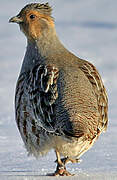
column 88, row 28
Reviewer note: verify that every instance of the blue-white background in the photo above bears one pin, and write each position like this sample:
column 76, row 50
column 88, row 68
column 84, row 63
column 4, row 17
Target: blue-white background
column 88, row 28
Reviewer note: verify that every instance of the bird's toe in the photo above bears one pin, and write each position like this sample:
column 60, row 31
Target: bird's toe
column 62, row 172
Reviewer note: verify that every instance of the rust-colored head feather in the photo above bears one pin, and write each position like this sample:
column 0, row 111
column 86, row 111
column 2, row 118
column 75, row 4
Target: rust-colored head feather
column 42, row 8
column 34, row 19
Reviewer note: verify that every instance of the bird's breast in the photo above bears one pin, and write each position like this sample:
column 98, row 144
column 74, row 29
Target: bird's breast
column 76, row 102
column 75, row 91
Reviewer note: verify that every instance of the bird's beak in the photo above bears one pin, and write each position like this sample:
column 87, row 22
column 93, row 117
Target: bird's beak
column 16, row 19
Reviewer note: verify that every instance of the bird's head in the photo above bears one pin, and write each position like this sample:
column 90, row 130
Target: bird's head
column 34, row 19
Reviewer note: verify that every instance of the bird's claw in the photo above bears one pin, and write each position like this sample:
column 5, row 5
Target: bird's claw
column 61, row 171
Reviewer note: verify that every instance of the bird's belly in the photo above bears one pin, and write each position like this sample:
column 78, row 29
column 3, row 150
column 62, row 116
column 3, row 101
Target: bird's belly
column 73, row 148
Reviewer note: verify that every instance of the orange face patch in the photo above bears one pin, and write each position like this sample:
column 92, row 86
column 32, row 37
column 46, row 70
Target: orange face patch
column 35, row 23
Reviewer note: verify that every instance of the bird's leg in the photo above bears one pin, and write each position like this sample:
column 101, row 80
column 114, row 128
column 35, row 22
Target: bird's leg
column 61, row 169
column 67, row 160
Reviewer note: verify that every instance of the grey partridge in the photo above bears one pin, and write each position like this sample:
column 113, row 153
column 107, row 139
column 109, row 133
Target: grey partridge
column 60, row 102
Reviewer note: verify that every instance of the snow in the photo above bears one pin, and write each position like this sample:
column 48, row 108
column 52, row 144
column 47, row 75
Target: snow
column 88, row 29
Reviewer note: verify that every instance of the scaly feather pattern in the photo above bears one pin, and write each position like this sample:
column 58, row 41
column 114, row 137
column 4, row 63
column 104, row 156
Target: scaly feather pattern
column 100, row 92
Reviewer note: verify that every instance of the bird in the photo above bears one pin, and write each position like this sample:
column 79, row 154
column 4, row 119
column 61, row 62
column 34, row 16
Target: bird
column 60, row 101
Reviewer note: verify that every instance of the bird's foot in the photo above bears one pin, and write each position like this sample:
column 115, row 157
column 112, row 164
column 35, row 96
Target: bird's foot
column 61, row 171
column 67, row 160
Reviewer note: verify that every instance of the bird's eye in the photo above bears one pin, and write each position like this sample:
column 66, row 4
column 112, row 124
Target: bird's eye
column 32, row 16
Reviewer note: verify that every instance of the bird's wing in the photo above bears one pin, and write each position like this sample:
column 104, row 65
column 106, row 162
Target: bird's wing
column 42, row 94
column 100, row 93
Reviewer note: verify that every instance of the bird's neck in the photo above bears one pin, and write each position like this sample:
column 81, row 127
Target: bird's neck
column 49, row 44
column 39, row 51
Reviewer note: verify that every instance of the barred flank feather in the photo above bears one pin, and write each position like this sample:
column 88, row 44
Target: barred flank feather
column 42, row 93
column 100, row 92
column 41, row 86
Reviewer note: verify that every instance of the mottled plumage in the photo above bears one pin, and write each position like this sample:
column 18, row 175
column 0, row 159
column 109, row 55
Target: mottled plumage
column 61, row 102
